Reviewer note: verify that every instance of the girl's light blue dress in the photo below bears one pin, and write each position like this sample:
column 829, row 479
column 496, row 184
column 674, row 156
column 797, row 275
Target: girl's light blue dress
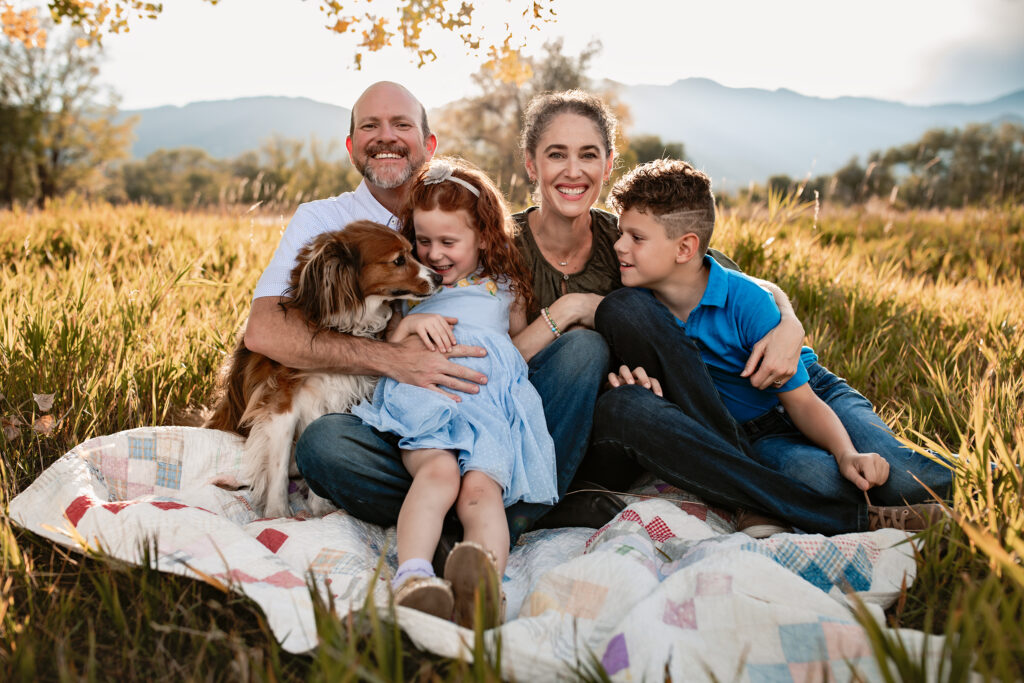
column 499, row 431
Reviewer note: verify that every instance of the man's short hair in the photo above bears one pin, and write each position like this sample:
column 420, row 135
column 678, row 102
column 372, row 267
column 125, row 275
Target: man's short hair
column 674, row 193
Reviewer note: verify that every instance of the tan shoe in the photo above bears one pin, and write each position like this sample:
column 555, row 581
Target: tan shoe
column 472, row 571
column 758, row 525
column 427, row 594
column 906, row 517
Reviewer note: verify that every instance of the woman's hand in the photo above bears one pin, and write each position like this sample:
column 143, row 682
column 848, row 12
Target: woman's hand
column 434, row 330
column 863, row 469
column 575, row 309
column 635, row 376
column 776, row 356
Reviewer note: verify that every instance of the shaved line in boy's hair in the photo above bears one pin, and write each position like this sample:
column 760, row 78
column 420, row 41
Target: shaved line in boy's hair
column 678, row 223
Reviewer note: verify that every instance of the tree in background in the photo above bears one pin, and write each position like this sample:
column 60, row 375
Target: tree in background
column 485, row 128
column 979, row 164
column 650, row 147
column 279, row 175
column 403, row 25
column 57, row 131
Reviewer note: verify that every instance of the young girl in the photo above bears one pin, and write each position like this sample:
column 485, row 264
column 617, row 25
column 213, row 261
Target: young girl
column 480, row 452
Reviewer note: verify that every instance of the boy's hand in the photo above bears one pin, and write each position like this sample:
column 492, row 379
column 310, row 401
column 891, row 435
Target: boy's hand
column 435, row 330
column 636, row 376
column 864, row 469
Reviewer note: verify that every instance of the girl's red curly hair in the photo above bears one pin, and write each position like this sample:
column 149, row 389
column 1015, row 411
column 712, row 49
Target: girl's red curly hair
column 491, row 220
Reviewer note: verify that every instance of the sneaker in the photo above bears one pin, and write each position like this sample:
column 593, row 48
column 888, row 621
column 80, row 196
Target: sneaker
column 471, row 568
column 906, row 517
column 758, row 525
column 592, row 507
column 427, row 594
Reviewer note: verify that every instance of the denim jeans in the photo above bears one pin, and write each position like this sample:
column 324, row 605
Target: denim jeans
column 778, row 444
column 361, row 470
column 689, row 439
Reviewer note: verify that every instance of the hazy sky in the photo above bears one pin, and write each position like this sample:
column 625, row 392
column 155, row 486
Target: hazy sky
column 916, row 51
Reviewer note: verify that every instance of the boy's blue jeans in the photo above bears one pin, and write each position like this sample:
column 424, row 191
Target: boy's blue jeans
column 361, row 470
column 689, row 439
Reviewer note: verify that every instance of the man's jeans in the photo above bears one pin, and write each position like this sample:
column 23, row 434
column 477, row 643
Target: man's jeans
column 690, row 440
column 361, row 470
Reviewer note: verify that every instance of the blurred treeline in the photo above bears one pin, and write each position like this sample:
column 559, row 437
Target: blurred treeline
column 981, row 164
column 59, row 136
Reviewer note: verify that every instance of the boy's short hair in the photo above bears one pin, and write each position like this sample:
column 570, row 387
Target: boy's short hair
column 674, row 193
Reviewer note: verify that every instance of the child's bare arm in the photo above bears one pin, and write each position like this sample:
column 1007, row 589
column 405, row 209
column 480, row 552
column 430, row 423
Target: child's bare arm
column 820, row 424
column 776, row 356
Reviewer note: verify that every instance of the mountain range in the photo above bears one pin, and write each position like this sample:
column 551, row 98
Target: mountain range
column 738, row 135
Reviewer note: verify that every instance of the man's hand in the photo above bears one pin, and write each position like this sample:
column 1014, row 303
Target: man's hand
column 414, row 364
column 864, row 469
column 635, row 376
column 776, row 356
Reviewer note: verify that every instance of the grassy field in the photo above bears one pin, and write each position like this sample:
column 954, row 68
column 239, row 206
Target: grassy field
column 124, row 315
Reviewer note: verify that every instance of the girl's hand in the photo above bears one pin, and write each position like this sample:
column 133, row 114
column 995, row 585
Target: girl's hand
column 434, row 330
column 864, row 469
column 776, row 356
column 635, row 376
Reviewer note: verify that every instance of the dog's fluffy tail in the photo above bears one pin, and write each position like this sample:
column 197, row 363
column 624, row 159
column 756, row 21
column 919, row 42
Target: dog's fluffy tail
column 230, row 397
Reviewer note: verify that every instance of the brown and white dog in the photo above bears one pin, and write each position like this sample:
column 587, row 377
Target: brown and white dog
column 344, row 281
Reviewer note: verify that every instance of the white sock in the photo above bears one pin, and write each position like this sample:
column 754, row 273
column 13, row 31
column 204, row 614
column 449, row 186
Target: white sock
column 410, row 568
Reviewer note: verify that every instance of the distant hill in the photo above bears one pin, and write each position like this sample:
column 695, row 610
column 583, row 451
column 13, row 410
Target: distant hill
column 742, row 134
column 226, row 128
column 737, row 135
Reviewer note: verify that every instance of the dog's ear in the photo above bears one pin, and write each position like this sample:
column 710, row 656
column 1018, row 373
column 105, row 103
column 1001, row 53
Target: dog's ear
column 328, row 283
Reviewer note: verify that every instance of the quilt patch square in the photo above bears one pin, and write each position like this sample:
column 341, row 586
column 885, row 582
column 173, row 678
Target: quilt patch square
column 680, row 614
column 136, row 489
column 616, row 655
column 714, row 583
column 802, row 642
column 272, row 539
column 168, row 474
column 141, row 448
column 769, row 673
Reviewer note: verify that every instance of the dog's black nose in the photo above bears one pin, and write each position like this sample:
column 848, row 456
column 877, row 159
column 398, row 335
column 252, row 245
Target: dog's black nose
column 436, row 278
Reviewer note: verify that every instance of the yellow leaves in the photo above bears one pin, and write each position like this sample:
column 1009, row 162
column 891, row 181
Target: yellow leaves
column 21, row 25
column 412, row 19
column 507, row 64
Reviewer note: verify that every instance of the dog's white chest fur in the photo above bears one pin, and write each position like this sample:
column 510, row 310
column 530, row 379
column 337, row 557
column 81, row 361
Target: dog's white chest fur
column 330, row 392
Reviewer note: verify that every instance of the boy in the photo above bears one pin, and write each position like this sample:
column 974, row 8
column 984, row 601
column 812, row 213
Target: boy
column 807, row 450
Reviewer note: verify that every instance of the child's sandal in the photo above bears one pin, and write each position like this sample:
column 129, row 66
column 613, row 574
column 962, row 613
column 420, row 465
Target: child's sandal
column 469, row 568
column 427, row 594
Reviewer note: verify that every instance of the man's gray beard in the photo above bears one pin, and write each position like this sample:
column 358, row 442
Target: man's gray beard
column 390, row 183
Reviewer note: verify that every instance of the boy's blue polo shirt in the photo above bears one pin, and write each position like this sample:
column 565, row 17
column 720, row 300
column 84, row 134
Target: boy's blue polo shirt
column 732, row 316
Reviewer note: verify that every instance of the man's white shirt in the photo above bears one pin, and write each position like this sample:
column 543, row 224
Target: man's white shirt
column 312, row 219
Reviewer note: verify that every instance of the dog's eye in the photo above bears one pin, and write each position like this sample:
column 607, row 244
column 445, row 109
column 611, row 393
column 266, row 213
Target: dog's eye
column 400, row 261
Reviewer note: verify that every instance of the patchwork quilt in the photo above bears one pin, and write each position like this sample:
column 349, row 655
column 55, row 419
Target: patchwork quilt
column 665, row 589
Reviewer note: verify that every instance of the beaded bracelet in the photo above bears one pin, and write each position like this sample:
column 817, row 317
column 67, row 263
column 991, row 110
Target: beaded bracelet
column 551, row 323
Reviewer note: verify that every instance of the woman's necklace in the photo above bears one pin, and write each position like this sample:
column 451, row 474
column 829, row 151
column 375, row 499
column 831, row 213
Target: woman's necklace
column 564, row 261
